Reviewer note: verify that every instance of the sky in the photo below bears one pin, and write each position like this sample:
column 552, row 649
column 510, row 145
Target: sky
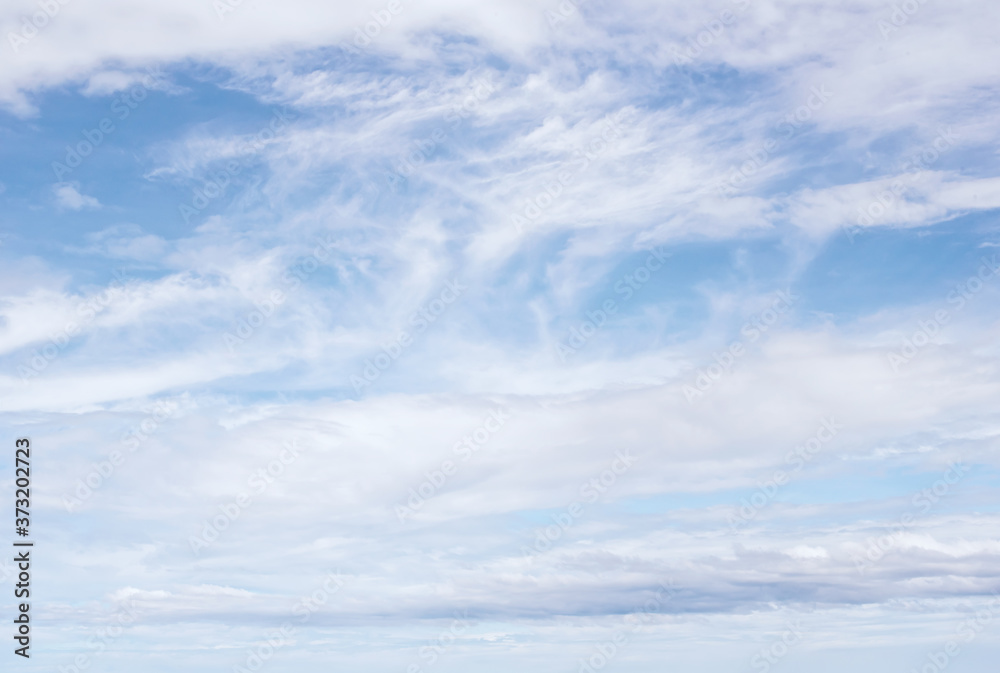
column 451, row 336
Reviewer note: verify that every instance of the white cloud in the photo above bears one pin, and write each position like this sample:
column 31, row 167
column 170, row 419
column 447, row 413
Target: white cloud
column 69, row 197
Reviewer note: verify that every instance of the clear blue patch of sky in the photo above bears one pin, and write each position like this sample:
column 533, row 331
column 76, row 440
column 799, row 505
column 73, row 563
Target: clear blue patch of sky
column 113, row 172
column 887, row 268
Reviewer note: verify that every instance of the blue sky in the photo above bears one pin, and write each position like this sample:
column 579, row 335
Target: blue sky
column 500, row 331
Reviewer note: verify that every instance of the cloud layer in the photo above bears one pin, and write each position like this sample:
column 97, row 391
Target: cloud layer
column 456, row 336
